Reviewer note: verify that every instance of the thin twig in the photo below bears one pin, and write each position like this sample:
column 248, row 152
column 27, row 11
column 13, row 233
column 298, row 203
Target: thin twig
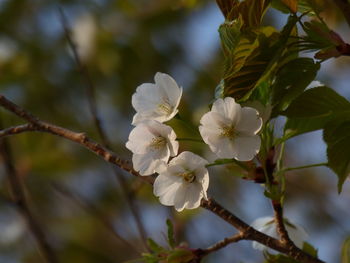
column 211, row 205
column 21, row 203
column 90, row 92
column 95, row 212
column 221, row 244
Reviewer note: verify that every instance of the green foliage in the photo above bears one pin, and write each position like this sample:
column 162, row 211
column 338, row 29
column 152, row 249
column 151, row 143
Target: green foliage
column 251, row 11
column 313, row 109
column 323, row 108
column 337, row 136
column 171, row 238
column 291, row 80
column 251, row 59
column 345, row 251
column 279, row 258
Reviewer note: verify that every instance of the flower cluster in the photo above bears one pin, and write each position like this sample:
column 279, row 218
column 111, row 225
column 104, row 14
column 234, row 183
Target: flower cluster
column 229, row 129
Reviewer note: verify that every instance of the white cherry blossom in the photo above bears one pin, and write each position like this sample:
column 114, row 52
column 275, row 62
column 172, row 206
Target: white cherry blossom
column 231, row 130
column 183, row 182
column 152, row 143
column 157, row 101
column 267, row 225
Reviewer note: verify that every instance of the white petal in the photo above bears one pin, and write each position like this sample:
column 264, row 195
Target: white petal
column 164, row 183
column 190, row 160
column 202, row 177
column 145, row 164
column 146, row 98
column 262, row 221
column 181, row 198
column 298, row 235
column 168, row 198
column 194, row 195
column 224, row 148
column 250, row 122
column 215, row 120
column 139, row 139
column 228, row 108
column 173, row 144
column 170, row 88
column 148, row 163
column 246, row 147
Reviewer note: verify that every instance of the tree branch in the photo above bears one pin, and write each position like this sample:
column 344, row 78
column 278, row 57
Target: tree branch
column 76, row 137
column 21, row 203
column 281, row 229
column 252, row 234
column 90, row 92
column 211, row 205
column 223, row 243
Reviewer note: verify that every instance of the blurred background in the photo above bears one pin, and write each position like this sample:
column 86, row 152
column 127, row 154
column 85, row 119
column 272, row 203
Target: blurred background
column 76, row 196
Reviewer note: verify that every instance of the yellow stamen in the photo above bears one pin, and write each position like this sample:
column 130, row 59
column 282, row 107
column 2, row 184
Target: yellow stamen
column 158, row 142
column 188, row 177
column 228, row 132
column 165, row 108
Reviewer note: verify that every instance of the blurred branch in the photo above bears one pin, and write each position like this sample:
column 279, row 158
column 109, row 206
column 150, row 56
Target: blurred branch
column 211, row 205
column 94, row 211
column 344, row 7
column 21, row 203
column 90, row 92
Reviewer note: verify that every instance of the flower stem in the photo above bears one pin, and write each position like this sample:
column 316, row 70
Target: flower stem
column 304, row 166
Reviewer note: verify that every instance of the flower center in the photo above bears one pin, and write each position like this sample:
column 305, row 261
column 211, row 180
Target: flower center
column 228, row 132
column 158, row 142
column 165, row 108
column 188, row 177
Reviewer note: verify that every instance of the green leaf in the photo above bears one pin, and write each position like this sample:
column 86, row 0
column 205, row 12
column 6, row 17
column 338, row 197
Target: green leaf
column 256, row 66
column 345, row 251
column 171, row 239
column 154, row 246
column 289, row 83
column 180, row 255
column 313, row 109
column 279, row 258
column 317, row 102
column 337, row 136
column 308, row 248
column 251, row 11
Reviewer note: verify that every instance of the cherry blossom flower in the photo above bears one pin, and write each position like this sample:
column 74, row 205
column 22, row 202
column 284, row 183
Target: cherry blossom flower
column 182, row 183
column 267, row 225
column 157, row 101
column 231, row 130
column 152, row 143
